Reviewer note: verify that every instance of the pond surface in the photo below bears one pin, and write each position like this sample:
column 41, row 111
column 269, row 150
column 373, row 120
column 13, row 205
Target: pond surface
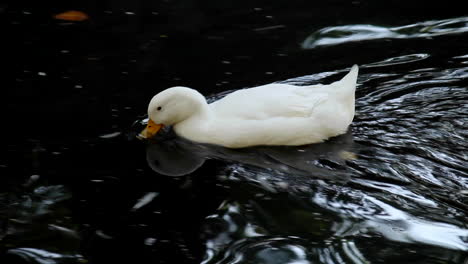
column 78, row 187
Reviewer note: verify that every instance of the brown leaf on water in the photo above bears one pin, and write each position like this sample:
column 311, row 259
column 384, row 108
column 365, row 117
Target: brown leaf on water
column 75, row 16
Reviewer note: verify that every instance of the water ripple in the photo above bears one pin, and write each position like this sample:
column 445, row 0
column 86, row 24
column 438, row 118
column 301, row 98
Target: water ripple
column 407, row 181
column 33, row 255
column 351, row 33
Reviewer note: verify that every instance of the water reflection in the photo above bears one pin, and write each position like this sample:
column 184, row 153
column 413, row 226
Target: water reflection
column 344, row 34
column 40, row 256
column 277, row 230
column 398, row 60
column 268, row 228
column 38, row 219
column 177, row 157
column 393, row 223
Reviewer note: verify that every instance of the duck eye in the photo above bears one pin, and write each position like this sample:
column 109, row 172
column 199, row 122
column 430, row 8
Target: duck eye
column 159, row 108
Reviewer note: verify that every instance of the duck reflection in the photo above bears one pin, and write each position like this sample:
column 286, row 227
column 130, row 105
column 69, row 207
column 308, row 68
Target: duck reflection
column 174, row 156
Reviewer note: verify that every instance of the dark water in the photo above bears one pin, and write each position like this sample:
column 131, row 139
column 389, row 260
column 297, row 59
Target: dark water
column 78, row 187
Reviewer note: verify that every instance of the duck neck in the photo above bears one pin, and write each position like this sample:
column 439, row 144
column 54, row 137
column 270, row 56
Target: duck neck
column 198, row 125
column 203, row 112
column 200, row 113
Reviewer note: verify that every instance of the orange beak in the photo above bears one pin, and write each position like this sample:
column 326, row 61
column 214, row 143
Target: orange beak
column 151, row 129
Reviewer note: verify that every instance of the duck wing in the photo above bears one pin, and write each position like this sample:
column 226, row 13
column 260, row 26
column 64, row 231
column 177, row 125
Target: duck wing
column 271, row 101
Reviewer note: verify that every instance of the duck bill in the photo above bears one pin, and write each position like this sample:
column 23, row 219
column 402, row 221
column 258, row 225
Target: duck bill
column 151, row 129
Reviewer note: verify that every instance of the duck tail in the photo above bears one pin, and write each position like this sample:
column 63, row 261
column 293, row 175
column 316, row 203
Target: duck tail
column 350, row 79
column 347, row 85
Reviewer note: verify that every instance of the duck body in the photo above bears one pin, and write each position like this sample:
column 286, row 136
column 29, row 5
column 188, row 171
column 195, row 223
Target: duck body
column 273, row 114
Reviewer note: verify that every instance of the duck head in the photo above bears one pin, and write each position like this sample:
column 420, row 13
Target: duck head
column 170, row 107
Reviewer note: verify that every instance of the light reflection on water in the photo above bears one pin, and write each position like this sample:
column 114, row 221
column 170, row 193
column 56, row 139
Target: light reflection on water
column 33, row 255
column 349, row 33
column 40, row 219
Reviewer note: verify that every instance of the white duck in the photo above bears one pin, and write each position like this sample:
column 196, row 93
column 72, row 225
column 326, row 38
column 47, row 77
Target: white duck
column 272, row 114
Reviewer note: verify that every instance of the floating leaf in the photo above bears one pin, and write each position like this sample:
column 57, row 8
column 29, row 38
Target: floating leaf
column 72, row 16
